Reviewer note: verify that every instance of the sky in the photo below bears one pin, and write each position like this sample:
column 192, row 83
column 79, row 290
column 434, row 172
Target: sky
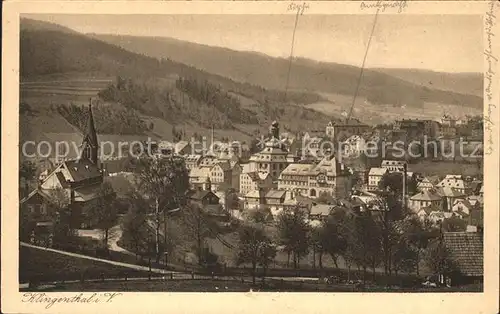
column 448, row 43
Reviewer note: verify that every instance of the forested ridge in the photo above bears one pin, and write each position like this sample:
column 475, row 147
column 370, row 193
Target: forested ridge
column 159, row 88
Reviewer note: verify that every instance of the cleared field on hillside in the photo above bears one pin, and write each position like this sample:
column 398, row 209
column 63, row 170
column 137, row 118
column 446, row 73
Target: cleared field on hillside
column 374, row 114
column 61, row 89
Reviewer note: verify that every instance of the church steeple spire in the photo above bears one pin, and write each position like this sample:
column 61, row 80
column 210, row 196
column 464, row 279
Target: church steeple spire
column 90, row 144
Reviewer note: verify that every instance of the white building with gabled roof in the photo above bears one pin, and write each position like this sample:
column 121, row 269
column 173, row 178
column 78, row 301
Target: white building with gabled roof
column 375, row 176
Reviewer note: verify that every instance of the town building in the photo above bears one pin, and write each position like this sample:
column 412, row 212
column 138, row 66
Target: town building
column 198, row 176
column 208, row 161
column 425, row 199
column 393, row 165
column 208, row 201
column 450, row 195
column 448, row 120
column 192, row 161
column 415, row 127
column 461, row 205
column 312, row 146
column 342, row 131
column 253, row 181
column 374, row 177
column 425, row 184
column 456, row 182
column 448, row 127
column 328, row 176
column 436, row 217
column 221, row 176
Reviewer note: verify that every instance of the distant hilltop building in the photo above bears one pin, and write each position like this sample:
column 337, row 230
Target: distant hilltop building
column 344, row 130
column 417, row 127
column 448, row 120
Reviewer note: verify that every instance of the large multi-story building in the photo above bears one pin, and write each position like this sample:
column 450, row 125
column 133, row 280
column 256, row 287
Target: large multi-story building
column 254, row 181
column 393, row 165
column 328, row 176
column 417, row 127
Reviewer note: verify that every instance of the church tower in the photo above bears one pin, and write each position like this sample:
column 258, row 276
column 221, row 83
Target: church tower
column 274, row 130
column 89, row 143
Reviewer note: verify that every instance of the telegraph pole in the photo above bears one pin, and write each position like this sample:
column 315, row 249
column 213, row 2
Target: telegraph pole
column 404, row 184
column 157, row 231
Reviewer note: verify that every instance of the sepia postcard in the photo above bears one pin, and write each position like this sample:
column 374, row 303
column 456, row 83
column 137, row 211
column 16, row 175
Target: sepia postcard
column 250, row 156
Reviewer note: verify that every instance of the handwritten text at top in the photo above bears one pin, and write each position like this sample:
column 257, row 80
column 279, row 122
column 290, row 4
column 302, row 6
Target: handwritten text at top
column 491, row 59
column 300, row 8
column 384, row 5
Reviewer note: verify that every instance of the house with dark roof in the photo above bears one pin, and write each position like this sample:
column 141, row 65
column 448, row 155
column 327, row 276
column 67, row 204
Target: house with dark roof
column 208, row 201
column 449, row 195
column 425, row 198
column 465, row 251
column 320, row 211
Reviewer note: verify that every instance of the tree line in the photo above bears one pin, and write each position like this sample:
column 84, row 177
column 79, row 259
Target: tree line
column 108, row 119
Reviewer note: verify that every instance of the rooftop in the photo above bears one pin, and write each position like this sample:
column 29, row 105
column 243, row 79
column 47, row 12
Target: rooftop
column 377, row 171
column 81, row 170
column 427, row 195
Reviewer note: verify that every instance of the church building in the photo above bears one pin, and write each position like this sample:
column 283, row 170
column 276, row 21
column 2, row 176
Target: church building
column 75, row 183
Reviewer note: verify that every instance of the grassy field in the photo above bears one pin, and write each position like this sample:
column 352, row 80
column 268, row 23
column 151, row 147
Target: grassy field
column 39, row 265
column 269, row 285
column 159, row 286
